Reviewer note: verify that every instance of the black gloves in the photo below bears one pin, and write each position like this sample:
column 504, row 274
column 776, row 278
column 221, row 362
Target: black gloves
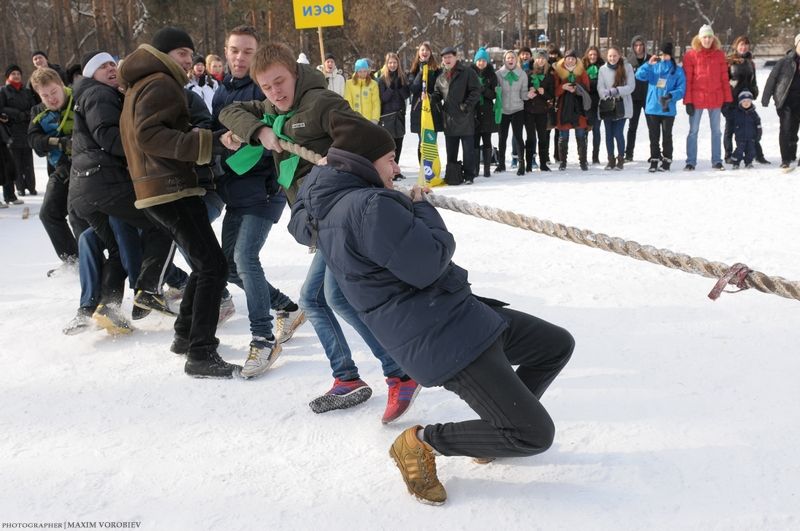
column 664, row 100
column 65, row 144
column 690, row 109
column 61, row 174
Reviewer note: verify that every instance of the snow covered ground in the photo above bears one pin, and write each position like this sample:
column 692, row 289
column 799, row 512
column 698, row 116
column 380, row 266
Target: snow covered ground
column 675, row 412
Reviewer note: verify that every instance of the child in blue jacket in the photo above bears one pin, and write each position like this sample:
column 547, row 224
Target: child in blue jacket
column 666, row 85
column 746, row 130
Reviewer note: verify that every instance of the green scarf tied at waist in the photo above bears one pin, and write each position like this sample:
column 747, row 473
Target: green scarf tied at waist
column 511, row 77
column 248, row 156
column 498, row 105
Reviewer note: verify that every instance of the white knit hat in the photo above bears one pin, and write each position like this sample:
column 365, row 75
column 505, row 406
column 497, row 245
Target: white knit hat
column 302, row 59
column 705, row 31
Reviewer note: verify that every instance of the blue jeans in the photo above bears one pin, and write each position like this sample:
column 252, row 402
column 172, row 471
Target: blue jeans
column 90, row 264
column 579, row 133
column 716, row 136
column 243, row 236
column 319, row 297
column 129, row 240
column 615, row 130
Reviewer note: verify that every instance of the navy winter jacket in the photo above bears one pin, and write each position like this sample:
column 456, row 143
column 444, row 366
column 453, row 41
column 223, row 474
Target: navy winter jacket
column 746, row 124
column 392, row 260
column 252, row 190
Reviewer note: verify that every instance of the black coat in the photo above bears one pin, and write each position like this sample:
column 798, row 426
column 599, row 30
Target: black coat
column 416, row 100
column 484, row 111
column 640, row 92
column 17, row 105
column 393, row 105
column 593, row 87
column 459, row 91
column 742, row 75
column 96, row 140
column 543, row 102
column 780, row 80
column 392, row 261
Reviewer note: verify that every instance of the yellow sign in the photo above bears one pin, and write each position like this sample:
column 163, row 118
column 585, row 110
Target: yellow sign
column 318, row 13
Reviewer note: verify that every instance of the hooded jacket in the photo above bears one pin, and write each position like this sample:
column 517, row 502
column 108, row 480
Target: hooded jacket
column 675, row 86
column 707, row 85
column 392, row 261
column 157, row 135
column 308, row 126
column 780, row 80
column 459, row 91
column 640, row 93
column 335, row 80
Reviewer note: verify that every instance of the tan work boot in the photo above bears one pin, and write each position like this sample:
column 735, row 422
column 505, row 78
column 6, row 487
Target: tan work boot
column 417, row 464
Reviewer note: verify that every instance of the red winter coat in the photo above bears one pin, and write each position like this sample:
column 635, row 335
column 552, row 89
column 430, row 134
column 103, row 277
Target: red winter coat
column 706, row 69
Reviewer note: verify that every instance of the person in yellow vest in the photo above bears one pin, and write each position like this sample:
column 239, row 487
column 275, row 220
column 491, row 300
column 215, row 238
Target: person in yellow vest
column 362, row 92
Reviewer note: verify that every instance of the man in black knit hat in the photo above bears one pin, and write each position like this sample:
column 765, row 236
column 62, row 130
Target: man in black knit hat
column 392, row 258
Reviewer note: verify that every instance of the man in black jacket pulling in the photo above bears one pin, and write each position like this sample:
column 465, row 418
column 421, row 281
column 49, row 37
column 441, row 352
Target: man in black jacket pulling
column 391, row 256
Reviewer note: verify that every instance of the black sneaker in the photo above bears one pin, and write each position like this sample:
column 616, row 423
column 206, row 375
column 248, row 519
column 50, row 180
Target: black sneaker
column 628, row 158
column 749, row 166
column 211, row 367
column 762, row 160
column 728, row 160
column 688, row 167
column 139, row 313
column 153, row 301
column 180, row 345
column 718, row 166
column 735, row 166
column 544, row 167
column 665, row 164
column 653, row 166
column 784, row 165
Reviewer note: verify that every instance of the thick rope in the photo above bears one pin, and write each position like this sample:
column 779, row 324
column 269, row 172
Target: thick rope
column 665, row 257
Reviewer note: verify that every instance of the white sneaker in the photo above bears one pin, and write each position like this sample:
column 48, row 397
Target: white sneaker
column 79, row 323
column 286, row 323
column 226, row 309
column 263, row 353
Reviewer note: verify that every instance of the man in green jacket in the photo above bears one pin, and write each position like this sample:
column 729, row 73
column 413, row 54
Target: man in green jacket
column 298, row 110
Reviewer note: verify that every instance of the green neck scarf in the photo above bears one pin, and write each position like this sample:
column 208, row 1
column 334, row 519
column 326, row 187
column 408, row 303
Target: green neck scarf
column 592, row 71
column 248, row 156
column 511, row 77
column 536, row 80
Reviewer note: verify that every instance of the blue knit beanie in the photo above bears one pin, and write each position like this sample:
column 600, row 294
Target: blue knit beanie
column 481, row 54
column 362, row 64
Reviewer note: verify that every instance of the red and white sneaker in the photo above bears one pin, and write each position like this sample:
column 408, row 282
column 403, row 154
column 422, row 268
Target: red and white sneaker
column 401, row 395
